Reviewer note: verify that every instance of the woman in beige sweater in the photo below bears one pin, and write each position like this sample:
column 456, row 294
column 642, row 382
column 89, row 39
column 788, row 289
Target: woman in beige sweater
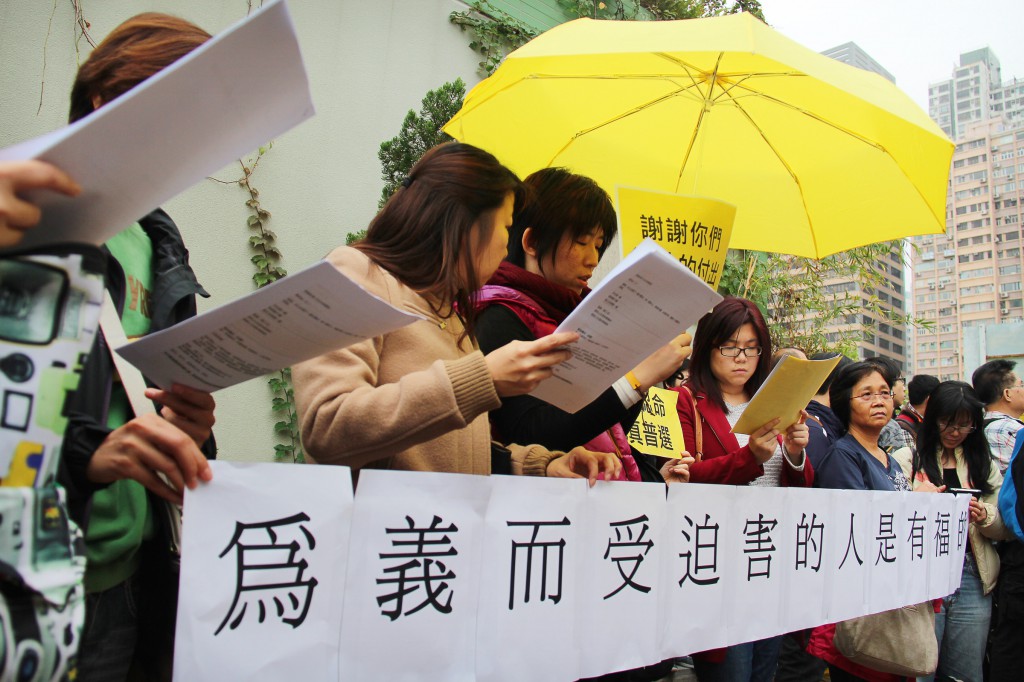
column 417, row 398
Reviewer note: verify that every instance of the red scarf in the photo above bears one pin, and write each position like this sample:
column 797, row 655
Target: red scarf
column 542, row 306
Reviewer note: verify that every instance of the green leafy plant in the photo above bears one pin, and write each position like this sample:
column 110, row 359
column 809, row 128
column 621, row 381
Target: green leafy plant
column 602, row 9
column 817, row 305
column 266, row 260
column 419, row 133
column 658, row 10
column 494, row 33
column 288, row 427
column 267, row 256
column 714, row 8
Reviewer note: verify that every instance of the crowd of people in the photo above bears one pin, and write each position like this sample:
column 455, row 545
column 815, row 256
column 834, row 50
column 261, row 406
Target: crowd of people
column 493, row 264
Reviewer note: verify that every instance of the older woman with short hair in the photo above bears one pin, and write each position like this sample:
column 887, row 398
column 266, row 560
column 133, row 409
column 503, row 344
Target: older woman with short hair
column 861, row 397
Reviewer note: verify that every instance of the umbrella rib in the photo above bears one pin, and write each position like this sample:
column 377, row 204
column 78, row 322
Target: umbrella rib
column 796, row 180
column 689, row 148
column 615, row 118
column 809, row 114
column 700, row 119
column 687, row 68
column 727, row 92
column 841, row 129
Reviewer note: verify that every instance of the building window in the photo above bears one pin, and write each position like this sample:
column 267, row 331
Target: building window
column 973, row 274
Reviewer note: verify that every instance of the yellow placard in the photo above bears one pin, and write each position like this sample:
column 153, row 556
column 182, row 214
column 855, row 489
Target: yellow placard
column 657, row 430
column 696, row 230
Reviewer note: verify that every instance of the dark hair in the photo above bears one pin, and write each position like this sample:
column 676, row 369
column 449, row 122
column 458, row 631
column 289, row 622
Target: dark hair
column 422, row 235
column 920, row 387
column 137, row 49
column 843, row 362
column 992, row 378
column 889, row 368
column 715, row 328
column 841, row 392
column 785, row 352
column 559, row 205
column 949, row 401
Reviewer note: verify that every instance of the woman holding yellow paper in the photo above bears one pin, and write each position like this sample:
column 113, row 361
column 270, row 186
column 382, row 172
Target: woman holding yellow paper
column 557, row 238
column 731, row 357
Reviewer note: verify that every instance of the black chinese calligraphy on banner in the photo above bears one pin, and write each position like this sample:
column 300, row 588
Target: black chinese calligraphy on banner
column 264, row 553
column 455, row 577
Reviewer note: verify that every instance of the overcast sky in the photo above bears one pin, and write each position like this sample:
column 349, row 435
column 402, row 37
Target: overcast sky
column 917, row 41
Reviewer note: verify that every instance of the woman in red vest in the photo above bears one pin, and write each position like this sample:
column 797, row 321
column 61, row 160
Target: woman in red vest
column 557, row 238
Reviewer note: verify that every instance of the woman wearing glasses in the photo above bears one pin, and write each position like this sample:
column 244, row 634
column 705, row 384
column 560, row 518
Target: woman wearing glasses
column 952, row 452
column 861, row 397
column 730, row 360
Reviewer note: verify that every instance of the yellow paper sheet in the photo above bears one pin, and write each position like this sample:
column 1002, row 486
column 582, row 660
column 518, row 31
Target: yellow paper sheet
column 785, row 392
column 657, row 430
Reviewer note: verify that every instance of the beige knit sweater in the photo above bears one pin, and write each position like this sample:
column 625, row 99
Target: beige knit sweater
column 413, row 399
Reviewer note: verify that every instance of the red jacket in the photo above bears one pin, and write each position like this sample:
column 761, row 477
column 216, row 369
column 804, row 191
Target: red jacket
column 724, row 461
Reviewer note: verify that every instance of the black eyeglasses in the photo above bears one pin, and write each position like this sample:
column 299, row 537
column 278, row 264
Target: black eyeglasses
column 736, row 351
column 953, row 428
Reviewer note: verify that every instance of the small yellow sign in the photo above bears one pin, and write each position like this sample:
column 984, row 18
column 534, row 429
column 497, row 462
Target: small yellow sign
column 696, row 230
column 657, row 430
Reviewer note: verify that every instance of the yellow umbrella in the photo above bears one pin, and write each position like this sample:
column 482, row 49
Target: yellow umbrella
column 818, row 156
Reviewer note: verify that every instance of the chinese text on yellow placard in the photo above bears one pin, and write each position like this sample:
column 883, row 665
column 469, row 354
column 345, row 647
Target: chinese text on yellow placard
column 695, row 230
column 657, row 431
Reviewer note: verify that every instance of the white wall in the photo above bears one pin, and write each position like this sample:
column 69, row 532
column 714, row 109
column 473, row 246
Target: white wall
column 369, row 62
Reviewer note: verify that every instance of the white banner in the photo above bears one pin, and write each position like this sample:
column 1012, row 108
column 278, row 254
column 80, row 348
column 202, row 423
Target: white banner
column 506, row 578
column 527, row 616
column 621, row 562
column 417, row 571
column 263, row 573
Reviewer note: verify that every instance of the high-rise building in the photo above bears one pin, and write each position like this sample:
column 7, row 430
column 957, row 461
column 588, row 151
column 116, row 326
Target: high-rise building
column 971, row 275
column 852, row 54
column 882, row 336
column 976, row 92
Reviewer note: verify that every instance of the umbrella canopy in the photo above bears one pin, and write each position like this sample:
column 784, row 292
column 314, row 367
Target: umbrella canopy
column 818, row 156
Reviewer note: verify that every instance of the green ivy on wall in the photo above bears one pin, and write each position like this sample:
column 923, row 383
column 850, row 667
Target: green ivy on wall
column 494, row 33
column 266, row 260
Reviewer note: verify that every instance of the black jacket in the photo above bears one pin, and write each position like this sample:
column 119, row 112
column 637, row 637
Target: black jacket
column 172, row 300
column 825, row 429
